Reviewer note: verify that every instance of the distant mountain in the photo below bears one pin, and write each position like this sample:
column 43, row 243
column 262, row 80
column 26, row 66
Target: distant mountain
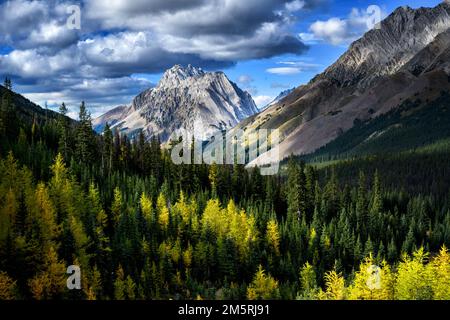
column 185, row 98
column 280, row 97
column 28, row 111
column 111, row 117
column 408, row 57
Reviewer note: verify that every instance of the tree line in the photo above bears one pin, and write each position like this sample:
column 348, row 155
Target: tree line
column 141, row 227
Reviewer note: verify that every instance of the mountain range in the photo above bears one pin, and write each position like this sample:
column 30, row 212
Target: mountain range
column 185, row 98
column 396, row 71
column 406, row 58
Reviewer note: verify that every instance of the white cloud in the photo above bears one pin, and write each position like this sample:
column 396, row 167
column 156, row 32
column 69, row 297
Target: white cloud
column 333, row 30
column 284, row 70
column 262, row 101
column 339, row 31
column 295, row 5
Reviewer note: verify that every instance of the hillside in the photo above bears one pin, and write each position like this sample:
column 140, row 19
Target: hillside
column 413, row 125
column 406, row 58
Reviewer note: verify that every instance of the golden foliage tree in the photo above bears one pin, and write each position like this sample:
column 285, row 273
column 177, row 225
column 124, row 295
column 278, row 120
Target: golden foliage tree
column 50, row 282
column 273, row 236
column 263, row 287
column 335, row 287
column 372, row 282
column 7, row 287
column 414, row 279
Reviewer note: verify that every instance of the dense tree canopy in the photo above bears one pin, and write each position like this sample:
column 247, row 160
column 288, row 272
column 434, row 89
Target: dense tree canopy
column 141, row 227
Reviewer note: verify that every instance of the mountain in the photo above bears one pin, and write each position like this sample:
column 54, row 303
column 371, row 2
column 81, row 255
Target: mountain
column 111, row 117
column 413, row 126
column 185, row 98
column 280, row 97
column 28, row 111
column 407, row 57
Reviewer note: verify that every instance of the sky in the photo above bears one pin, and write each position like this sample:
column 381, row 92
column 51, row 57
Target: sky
column 105, row 52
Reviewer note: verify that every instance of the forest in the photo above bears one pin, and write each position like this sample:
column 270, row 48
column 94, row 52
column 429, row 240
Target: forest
column 141, row 227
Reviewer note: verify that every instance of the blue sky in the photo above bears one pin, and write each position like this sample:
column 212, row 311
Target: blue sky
column 122, row 48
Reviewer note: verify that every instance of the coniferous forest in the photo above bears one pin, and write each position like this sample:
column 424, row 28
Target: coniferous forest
column 141, row 227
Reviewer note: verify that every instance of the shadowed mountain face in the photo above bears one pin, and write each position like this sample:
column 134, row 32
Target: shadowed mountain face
column 185, row 98
column 28, row 111
column 407, row 57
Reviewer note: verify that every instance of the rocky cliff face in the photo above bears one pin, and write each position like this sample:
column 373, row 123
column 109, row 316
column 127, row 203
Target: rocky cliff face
column 385, row 50
column 187, row 98
column 408, row 57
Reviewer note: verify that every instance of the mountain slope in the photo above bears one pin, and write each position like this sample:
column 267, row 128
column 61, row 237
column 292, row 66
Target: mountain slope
column 27, row 110
column 111, row 117
column 406, row 57
column 280, row 97
column 413, row 125
column 185, row 98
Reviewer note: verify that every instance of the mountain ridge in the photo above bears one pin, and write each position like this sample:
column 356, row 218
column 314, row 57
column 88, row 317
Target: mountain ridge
column 374, row 75
column 185, row 98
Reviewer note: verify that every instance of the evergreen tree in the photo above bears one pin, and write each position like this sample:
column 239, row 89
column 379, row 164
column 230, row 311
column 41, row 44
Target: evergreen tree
column 85, row 135
column 64, row 132
column 263, row 287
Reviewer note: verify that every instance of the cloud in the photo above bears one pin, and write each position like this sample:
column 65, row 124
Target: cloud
column 295, row 5
column 262, row 101
column 100, row 94
column 284, row 71
column 245, row 79
column 339, row 31
column 293, row 67
column 121, row 38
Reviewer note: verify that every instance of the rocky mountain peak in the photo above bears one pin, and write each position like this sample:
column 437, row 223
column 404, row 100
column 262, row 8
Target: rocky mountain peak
column 186, row 98
column 177, row 74
column 384, row 50
column 407, row 57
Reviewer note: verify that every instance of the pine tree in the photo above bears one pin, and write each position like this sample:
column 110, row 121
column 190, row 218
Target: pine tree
column 273, row 236
column 8, row 115
column 51, row 282
column 107, row 153
column 213, row 179
column 120, row 286
column 372, row 282
column 117, row 206
column 64, row 127
column 293, row 191
column 335, row 287
column 263, row 287
column 414, row 280
column 441, row 275
column 85, row 135
column 146, row 208
column 162, row 212
column 308, row 282
column 8, row 288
